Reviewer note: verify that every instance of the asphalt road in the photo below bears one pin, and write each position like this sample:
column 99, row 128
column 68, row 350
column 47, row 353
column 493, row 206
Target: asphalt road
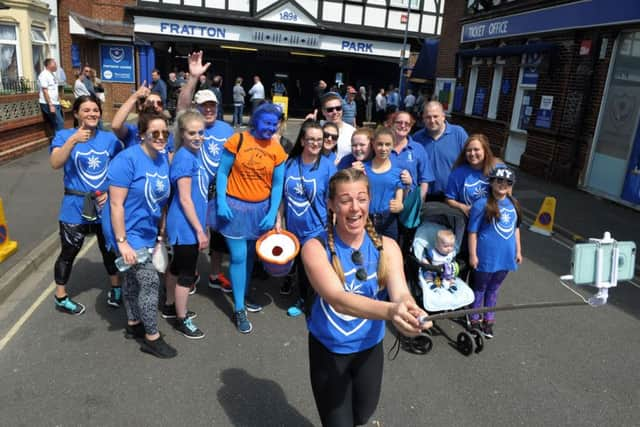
column 563, row 366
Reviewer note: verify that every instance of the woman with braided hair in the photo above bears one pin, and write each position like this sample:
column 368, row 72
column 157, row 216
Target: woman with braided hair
column 359, row 284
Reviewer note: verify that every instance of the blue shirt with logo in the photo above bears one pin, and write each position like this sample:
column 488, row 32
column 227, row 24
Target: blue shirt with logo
column 413, row 158
column 214, row 138
column 147, row 181
column 305, row 188
column 342, row 333
column 442, row 153
column 466, row 185
column 187, row 164
column 496, row 247
column 383, row 187
column 85, row 170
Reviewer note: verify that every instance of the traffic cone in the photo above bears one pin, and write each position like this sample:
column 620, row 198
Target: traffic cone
column 7, row 246
column 544, row 220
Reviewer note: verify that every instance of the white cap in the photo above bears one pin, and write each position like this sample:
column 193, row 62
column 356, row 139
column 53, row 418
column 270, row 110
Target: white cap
column 205, row 95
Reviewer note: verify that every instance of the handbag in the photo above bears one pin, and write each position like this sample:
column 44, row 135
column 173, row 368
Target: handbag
column 160, row 257
column 411, row 208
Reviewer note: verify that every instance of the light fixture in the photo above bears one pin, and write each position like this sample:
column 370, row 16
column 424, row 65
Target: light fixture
column 315, row 55
column 247, row 49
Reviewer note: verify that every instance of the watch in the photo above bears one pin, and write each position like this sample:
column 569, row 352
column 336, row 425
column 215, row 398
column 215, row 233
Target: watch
column 121, row 239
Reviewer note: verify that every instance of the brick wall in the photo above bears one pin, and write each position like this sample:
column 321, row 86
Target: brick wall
column 450, row 38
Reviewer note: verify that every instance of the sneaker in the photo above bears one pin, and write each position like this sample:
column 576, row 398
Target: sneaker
column 158, row 348
column 169, row 312
column 487, row 330
column 251, row 305
column 188, row 329
column 220, row 282
column 296, row 309
column 287, row 284
column 114, row 297
column 242, row 323
column 69, row 306
column 134, row 331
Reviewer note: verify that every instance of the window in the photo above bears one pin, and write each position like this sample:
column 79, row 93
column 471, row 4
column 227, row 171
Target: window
column 471, row 90
column 9, row 54
column 496, row 87
column 39, row 50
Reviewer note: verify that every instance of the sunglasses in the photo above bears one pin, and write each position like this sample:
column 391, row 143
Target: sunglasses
column 332, row 109
column 330, row 136
column 157, row 103
column 503, row 181
column 420, row 344
column 358, row 260
column 155, row 134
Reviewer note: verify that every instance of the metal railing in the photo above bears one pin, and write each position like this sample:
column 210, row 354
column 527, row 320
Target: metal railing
column 20, row 85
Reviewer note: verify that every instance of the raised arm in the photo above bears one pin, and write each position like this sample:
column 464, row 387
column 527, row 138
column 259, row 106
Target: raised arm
column 120, row 118
column 196, row 69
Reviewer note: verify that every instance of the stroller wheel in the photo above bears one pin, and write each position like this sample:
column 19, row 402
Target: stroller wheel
column 478, row 338
column 466, row 343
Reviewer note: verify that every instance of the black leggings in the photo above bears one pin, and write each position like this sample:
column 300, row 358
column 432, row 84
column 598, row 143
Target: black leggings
column 71, row 239
column 184, row 264
column 346, row 387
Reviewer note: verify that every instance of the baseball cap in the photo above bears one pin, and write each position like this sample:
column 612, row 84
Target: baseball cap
column 205, row 95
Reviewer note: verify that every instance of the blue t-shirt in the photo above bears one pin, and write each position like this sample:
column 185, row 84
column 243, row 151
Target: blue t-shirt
column 331, row 156
column 348, row 111
column 496, row 247
column 85, row 170
column 214, row 138
column 442, row 153
column 414, row 159
column 341, row 333
column 301, row 192
column 345, row 162
column 187, row 164
column 132, row 137
column 466, row 185
column 383, row 187
column 147, row 181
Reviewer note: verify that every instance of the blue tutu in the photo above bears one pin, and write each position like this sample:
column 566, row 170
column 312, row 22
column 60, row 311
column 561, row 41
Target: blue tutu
column 247, row 217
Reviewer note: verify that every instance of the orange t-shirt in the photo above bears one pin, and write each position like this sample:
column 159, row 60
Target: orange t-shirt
column 251, row 175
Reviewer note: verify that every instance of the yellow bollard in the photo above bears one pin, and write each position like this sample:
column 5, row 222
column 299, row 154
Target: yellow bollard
column 7, row 246
column 544, row 220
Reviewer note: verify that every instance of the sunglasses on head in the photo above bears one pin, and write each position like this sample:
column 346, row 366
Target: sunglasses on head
column 330, row 136
column 332, row 109
column 155, row 134
column 357, row 259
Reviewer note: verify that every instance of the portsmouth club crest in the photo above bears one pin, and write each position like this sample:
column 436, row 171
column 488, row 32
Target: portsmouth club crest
column 300, row 191
column 344, row 323
column 506, row 225
column 156, row 189
column 211, row 150
column 475, row 188
column 92, row 167
column 116, row 54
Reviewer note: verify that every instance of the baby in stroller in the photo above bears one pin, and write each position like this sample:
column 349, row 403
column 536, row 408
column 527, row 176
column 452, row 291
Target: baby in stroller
column 443, row 254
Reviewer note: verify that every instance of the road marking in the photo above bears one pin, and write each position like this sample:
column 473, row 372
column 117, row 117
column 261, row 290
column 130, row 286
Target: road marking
column 44, row 295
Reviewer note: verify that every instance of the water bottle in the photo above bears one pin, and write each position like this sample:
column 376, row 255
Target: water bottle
column 142, row 256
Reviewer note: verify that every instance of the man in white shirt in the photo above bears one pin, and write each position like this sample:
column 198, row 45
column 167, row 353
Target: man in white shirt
column 381, row 106
column 48, row 95
column 332, row 111
column 256, row 92
column 409, row 101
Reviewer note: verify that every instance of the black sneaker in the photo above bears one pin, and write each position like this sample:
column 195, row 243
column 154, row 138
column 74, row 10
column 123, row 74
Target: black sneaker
column 287, row 285
column 487, row 330
column 114, row 297
column 169, row 312
column 134, row 331
column 69, row 306
column 158, row 348
column 251, row 305
column 188, row 329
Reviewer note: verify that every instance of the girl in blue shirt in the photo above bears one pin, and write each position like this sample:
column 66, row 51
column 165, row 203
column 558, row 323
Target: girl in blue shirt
column 139, row 190
column 84, row 153
column 186, row 226
column 494, row 243
column 304, row 207
column 384, row 177
column 360, row 150
column 350, row 268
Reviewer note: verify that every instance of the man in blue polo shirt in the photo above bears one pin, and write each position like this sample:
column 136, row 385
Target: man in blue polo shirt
column 442, row 142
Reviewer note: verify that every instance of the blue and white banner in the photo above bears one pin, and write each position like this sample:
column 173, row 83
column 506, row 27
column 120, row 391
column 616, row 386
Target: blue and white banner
column 117, row 63
column 579, row 14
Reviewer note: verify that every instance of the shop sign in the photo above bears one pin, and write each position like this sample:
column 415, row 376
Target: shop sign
column 580, row 14
column 116, row 63
column 530, row 76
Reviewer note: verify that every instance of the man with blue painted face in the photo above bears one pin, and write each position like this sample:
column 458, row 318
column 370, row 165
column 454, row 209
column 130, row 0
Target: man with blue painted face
column 216, row 133
column 443, row 143
column 249, row 190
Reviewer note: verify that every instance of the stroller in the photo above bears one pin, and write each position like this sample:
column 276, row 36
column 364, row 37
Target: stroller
column 437, row 216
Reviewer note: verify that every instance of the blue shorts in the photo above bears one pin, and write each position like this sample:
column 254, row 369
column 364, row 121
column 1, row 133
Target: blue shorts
column 246, row 219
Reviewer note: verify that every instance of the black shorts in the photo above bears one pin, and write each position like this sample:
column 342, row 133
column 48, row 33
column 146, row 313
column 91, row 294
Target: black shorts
column 184, row 264
column 217, row 243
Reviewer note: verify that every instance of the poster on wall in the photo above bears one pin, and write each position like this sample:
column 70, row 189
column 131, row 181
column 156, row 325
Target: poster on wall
column 443, row 92
column 543, row 117
column 117, row 63
column 478, row 101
